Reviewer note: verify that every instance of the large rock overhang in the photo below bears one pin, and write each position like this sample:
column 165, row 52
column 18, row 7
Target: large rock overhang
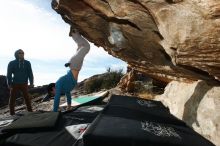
column 164, row 39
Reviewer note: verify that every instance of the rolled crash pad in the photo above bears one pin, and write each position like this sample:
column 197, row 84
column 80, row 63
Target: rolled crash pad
column 32, row 121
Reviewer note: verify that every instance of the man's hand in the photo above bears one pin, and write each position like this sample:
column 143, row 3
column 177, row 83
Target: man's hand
column 10, row 87
column 31, row 86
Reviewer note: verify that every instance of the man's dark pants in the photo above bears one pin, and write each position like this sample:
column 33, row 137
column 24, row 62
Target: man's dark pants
column 24, row 89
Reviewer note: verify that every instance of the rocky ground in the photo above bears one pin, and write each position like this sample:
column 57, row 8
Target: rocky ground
column 137, row 88
column 37, row 105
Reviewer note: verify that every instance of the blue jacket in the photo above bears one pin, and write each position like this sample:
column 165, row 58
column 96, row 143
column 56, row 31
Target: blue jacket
column 64, row 85
column 21, row 70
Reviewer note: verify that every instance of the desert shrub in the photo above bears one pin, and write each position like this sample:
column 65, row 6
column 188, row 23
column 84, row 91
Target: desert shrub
column 93, row 85
column 105, row 81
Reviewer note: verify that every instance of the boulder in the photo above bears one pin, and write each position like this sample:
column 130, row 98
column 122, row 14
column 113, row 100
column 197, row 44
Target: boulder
column 4, row 91
column 198, row 104
column 166, row 39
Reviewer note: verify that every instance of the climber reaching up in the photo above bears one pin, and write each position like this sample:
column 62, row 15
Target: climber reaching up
column 66, row 83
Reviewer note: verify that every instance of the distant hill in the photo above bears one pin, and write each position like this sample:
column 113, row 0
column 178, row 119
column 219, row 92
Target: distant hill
column 89, row 85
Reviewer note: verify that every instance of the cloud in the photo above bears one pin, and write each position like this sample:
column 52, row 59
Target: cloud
column 37, row 29
column 32, row 29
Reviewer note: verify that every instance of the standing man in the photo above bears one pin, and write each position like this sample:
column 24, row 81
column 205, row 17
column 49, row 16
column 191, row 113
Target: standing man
column 21, row 71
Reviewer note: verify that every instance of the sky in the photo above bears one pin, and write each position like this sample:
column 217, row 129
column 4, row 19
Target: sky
column 33, row 26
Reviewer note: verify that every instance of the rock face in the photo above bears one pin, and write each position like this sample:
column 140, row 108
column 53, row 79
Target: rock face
column 198, row 104
column 165, row 39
